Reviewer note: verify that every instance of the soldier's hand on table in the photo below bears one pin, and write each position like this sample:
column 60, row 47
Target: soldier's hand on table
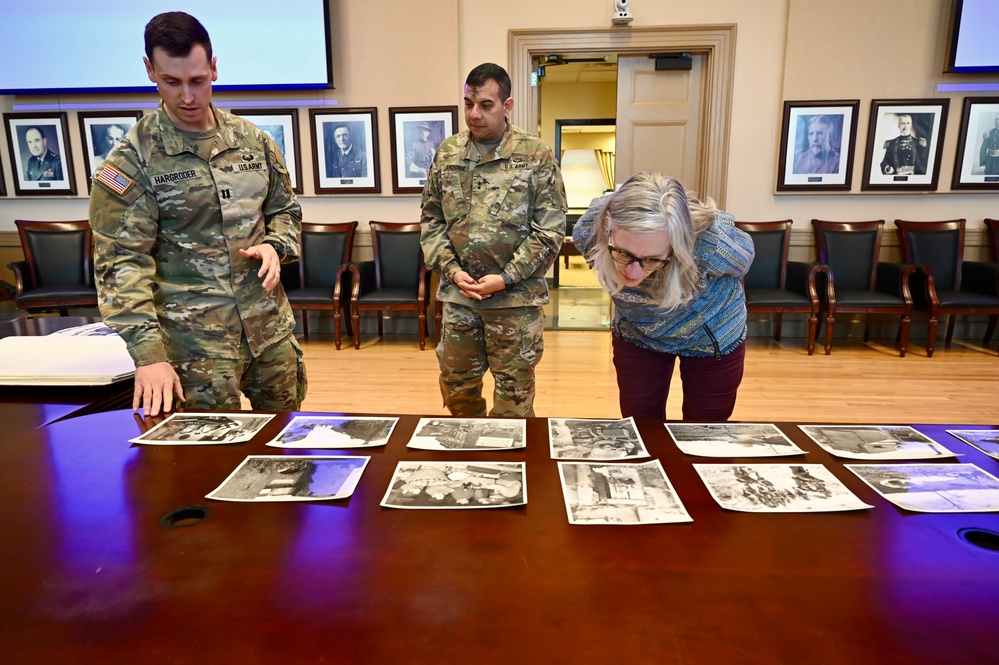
column 270, row 264
column 156, row 387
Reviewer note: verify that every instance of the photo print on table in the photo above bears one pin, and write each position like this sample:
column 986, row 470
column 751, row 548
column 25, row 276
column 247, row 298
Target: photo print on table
column 469, row 434
column 777, row 488
column 732, row 440
column 619, row 493
column 875, row 442
column 932, row 488
column 335, row 432
column 986, row 440
column 205, row 428
column 291, row 478
column 457, row 485
column 578, row 438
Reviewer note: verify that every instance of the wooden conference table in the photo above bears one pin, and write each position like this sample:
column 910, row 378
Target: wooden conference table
column 89, row 574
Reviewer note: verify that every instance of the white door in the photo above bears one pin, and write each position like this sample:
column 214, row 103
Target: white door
column 659, row 120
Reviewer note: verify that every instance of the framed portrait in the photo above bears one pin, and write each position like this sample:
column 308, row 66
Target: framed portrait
column 977, row 163
column 101, row 131
column 345, row 151
column 40, row 153
column 282, row 126
column 416, row 132
column 817, row 141
column 904, row 144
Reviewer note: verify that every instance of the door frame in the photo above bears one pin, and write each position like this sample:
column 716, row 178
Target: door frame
column 716, row 42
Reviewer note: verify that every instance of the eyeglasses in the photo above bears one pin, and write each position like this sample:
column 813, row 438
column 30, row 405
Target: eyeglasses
column 648, row 263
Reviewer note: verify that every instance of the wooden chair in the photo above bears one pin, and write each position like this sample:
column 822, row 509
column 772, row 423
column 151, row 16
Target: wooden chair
column 944, row 283
column 992, row 229
column 320, row 279
column 856, row 281
column 775, row 285
column 396, row 279
column 57, row 271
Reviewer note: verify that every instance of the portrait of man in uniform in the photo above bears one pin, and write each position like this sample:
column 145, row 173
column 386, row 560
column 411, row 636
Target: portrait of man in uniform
column 905, row 144
column 43, row 160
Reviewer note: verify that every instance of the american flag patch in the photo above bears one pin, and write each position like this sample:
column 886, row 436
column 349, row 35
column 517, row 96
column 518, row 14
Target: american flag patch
column 115, row 180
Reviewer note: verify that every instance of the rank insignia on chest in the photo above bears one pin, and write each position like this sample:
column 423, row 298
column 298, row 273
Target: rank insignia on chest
column 114, row 179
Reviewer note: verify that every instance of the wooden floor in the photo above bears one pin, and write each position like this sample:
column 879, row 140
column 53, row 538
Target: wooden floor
column 858, row 383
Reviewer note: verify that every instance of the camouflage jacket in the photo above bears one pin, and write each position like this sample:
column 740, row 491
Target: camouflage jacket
column 168, row 227
column 501, row 213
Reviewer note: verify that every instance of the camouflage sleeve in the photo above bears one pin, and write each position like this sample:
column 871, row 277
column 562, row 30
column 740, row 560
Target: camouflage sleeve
column 542, row 245
column 125, row 229
column 281, row 209
column 438, row 253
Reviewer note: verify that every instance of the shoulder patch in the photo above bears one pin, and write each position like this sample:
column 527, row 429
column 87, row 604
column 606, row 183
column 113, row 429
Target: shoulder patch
column 114, row 179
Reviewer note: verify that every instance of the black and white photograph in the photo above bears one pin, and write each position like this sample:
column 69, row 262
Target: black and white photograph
column 345, row 151
column 101, row 131
column 416, row 132
column 282, row 126
column 335, row 432
column 469, row 434
column 904, row 144
column 777, row 488
column 40, row 153
column 731, row 440
column 291, row 478
column 578, row 438
column 817, row 146
column 977, row 162
column 598, row 493
column 985, row 440
column 457, row 485
column 205, row 428
column 933, row 488
column 875, row 442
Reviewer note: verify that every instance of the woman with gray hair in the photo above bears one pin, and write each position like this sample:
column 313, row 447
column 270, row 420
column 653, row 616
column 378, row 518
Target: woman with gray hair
column 672, row 265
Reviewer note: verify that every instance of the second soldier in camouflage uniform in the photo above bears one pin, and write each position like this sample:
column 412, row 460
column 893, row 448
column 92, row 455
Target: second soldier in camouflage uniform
column 192, row 213
column 493, row 223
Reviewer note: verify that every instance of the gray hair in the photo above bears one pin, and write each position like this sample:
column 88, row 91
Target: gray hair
column 652, row 203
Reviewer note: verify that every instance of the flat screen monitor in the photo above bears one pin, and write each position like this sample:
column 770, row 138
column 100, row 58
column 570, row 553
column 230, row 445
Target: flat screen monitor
column 974, row 46
column 68, row 46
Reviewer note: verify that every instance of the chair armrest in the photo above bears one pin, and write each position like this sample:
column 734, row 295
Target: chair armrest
column 7, row 290
column 980, row 277
column 893, row 278
column 363, row 275
column 824, row 284
column 801, row 278
column 923, row 287
column 22, row 277
column 346, row 277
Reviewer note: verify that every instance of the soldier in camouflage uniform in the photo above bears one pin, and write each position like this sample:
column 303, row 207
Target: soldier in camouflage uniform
column 192, row 214
column 493, row 223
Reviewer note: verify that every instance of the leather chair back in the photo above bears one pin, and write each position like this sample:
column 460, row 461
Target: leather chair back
column 851, row 250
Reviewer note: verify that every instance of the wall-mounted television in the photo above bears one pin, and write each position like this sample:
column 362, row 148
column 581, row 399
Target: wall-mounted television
column 68, row 46
column 974, row 47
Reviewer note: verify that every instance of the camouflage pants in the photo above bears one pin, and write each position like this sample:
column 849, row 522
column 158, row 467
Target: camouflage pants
column 509, row 342
column 273, row 381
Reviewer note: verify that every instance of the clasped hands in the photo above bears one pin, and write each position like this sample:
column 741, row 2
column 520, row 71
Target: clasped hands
column 478, row 289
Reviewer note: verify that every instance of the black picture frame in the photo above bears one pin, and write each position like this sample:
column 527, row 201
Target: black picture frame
column 54, row 174
column 894, row 164
column 99, row 132
column 362, row 176
column 282, row 126
column 817, row 144
column 409, row 147
column 977, row 163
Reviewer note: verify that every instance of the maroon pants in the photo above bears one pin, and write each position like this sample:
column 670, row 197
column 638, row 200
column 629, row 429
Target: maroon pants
column 709, row 384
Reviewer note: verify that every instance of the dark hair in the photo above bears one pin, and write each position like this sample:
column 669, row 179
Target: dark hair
column 489, row 71
column 176, row 33
column 37, row 129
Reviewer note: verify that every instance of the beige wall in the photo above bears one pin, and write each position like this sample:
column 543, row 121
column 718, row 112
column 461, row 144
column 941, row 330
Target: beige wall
column 390, row 53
